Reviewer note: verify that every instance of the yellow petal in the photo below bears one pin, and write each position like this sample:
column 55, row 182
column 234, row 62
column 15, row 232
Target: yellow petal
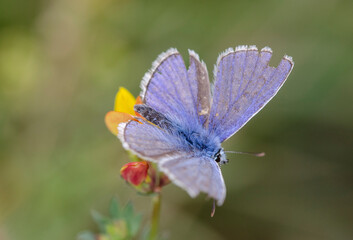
column 124, row 101
column 112, row 120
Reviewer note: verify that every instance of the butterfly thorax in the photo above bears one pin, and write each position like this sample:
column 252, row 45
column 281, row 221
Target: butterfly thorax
column 194, row 137
column 202, row 143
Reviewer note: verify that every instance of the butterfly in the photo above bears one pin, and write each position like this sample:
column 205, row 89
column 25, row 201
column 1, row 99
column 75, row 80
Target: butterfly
column 183, row 124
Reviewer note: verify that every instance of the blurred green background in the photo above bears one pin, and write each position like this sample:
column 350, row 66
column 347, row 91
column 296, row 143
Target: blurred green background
column 61, row 63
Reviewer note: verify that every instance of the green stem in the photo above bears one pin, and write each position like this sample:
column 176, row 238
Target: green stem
column 156, row 201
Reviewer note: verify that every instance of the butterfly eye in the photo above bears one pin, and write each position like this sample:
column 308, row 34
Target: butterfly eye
column 217, row 156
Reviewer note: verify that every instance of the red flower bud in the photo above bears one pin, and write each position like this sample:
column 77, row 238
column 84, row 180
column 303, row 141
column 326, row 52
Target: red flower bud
column 135, row 172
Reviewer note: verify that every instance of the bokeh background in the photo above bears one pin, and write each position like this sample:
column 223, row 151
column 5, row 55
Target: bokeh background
column 62, row 61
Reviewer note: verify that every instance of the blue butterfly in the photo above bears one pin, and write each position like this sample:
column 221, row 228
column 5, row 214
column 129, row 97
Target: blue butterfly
column 183, row 125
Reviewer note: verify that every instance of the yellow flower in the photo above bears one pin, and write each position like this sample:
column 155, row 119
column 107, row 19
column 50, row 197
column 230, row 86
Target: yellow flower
column 123, row 110
column 143, row 176
column 124, row 101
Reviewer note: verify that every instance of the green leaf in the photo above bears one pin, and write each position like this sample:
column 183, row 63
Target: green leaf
column 128, row 215
column 128, row 210
column 123, row 223
column 132, row 221
column 114, row 209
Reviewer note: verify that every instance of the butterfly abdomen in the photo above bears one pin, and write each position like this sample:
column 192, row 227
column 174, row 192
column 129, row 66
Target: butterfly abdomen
column 153, row 116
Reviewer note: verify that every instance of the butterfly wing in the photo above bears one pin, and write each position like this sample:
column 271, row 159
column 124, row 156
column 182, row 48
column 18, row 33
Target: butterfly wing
column 195, row 175
column 189, row 170
column 244, row 84
column 147, row 141
column 172, row 90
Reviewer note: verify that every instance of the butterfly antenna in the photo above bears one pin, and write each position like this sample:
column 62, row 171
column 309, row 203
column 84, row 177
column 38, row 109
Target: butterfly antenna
column 260, row 154
column 213, row 208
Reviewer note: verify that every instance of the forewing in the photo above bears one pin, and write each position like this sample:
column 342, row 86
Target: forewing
column 198, row 75
column 244, row 84
column 173, row 90
column 193, row 173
